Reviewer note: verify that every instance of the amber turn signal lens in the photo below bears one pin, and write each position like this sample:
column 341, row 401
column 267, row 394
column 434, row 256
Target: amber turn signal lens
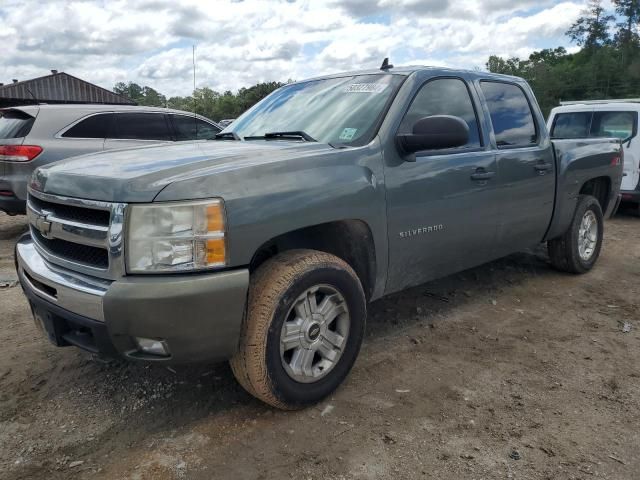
column 215, row 218
column 215, row 251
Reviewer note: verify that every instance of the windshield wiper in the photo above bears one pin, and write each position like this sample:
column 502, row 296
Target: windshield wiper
column 292, row 133
column 228, row 136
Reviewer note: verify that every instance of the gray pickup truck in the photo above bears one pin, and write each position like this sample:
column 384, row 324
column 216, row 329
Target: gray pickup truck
column 264, row 246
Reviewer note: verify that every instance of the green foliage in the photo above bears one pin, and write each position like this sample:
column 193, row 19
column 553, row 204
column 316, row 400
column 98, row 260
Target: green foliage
column 146, row 96
column 218, row 106
column 607, row 66
column 205, row 101
column 592, row 29
column 627, row 36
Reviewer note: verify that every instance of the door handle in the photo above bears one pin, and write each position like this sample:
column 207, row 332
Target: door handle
column 543, row 167
column 482, row 174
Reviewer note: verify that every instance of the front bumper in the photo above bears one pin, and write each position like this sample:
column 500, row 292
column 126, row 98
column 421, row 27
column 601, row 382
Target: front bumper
column 198, row 316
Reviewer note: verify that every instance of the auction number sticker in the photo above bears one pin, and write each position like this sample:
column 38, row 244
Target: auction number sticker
column 365, row 88
column 348, row 134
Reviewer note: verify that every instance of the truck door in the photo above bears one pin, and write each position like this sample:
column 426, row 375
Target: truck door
column 441, row 208
column 526, row 167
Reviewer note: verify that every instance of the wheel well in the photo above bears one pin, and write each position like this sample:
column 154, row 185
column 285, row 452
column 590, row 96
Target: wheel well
column 350, row 240
column 599, row 188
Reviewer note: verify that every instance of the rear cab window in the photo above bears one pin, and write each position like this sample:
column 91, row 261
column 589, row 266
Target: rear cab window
column 15, row 124
column 511, row 115
column 594, row 124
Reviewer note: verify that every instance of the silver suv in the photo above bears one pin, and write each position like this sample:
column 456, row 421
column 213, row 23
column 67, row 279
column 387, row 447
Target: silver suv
column 35, row 135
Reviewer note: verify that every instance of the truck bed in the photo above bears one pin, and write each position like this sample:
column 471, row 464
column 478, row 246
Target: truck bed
column 580, row 160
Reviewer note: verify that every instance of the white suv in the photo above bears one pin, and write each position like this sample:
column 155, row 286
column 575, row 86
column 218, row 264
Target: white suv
column 605, row 118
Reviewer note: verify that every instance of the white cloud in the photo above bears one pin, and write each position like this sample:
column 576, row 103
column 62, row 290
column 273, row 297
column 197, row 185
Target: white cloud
column 242, row 42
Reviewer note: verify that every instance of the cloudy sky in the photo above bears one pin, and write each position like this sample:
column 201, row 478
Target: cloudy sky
column 239, row 43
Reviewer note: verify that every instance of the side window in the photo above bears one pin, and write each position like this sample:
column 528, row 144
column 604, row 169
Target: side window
column 141, row 126
column 444, row 96
column 191, row 128
column 571, row 125
column 613, row 124
column 206, row 131
column 95, row 126
column 511, row 115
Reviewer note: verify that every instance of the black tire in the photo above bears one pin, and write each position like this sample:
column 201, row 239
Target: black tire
column 274, row 288
column 564, row 250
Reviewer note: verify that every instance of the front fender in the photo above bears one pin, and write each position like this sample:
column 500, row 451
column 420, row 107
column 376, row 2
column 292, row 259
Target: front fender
column 267, row 199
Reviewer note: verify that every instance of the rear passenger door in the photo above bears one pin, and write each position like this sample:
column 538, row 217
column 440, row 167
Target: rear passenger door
column 526, row 166
column 137, row 129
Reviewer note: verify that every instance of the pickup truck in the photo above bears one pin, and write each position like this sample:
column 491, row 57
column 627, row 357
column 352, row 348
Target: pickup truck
column 263, row 247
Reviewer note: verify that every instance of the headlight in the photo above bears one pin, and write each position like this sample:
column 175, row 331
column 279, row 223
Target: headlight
column 176, row 236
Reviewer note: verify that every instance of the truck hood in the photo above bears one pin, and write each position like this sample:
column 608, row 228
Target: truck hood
column 139, row 174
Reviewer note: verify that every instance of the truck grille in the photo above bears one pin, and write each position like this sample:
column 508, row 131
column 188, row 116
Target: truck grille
column 76, row 252
column 81, row 235
column 69, row 212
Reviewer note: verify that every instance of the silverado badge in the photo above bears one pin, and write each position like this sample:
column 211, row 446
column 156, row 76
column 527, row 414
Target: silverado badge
column 422, row 230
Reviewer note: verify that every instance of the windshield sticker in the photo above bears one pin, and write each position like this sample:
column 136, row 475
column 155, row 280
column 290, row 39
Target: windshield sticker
column 365, row 88
column 348, row 134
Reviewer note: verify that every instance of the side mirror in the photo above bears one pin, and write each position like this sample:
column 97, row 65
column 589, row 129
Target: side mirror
column 435, row 132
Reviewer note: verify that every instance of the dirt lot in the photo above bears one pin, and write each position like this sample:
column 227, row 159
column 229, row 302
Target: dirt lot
column 510, row 370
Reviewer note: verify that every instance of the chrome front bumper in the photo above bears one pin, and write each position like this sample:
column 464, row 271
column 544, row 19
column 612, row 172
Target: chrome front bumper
column 197, row 315
column 75, row 292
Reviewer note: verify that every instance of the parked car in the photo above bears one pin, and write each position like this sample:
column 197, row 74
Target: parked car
column 264, row 247
column 36, row 135
column 225, row 123
column 605, row 118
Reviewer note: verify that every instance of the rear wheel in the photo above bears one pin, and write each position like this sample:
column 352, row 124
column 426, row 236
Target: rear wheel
column 303, row 329
column 578, row 249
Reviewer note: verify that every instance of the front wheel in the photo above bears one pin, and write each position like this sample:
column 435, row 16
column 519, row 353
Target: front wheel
column 578, row 249
column 303, row 328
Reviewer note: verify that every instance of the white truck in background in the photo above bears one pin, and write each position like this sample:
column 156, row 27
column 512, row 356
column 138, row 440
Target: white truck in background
column 605, row 118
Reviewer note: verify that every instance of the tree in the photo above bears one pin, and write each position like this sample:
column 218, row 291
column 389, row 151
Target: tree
column 146, row 96
column 510, row 66
column 152, row 98
column 554, row 74
column 629, row 12
column 591, row 30
column 548, row 56
column 218, row 106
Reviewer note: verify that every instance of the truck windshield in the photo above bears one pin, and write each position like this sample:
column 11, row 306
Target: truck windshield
column 344, row 111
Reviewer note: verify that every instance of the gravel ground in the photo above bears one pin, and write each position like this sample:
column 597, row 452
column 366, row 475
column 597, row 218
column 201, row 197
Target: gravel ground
column 510, row 370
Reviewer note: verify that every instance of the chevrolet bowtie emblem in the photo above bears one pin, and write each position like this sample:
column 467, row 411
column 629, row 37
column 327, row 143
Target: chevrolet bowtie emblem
column 42, row 225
